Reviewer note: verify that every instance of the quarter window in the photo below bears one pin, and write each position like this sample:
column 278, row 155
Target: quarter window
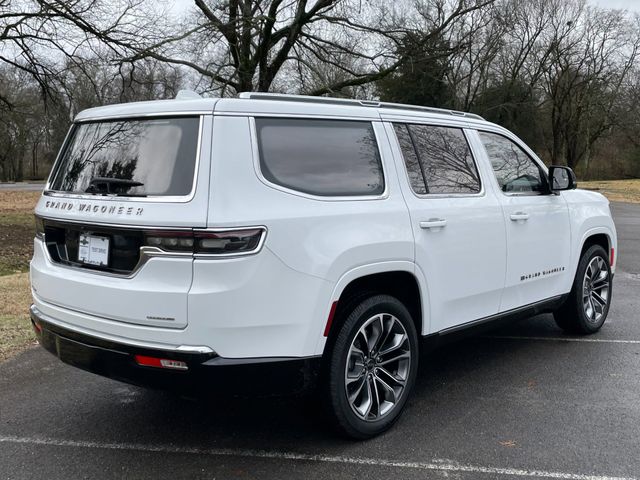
column 320, row 157
column 438, row 159
column 515, row 170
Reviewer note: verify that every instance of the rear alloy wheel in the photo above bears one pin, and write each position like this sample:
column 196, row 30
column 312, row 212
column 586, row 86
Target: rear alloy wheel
column 372, row 367
column 586, row 309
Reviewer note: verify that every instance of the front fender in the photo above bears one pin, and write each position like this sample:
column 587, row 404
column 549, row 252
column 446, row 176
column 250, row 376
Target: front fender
column 590, row 215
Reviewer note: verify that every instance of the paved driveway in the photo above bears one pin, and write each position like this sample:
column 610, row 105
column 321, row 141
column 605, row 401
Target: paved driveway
column 522, row 402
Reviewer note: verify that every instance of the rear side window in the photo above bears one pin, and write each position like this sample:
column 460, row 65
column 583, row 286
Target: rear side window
column 320, row 157
column 130, row 158
column 438, row 159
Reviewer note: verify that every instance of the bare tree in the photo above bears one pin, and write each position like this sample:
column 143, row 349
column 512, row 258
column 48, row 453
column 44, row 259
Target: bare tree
column 241, row 45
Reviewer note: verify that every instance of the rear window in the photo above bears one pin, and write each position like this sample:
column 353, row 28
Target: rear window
column 320, row 157
column 130, row 158
column 438, row 159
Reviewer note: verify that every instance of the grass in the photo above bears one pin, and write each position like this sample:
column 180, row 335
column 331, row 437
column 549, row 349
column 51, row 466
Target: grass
column 16, row 248
column 616, row 190
column 16, row 230
column 15, row 326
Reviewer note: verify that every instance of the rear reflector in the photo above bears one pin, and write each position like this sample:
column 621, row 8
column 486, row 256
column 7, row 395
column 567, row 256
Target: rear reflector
column 36, row 327
column 332, row 313
column 613, row 256
column 160, row 363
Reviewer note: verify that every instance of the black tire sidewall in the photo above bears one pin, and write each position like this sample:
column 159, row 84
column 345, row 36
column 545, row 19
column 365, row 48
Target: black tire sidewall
column 347, row 421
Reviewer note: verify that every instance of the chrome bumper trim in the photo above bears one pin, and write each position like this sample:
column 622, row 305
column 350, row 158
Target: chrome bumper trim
column 38, row 315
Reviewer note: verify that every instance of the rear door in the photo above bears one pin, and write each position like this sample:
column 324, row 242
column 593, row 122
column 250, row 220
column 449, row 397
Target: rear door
column 537, row 223
column 457, row 222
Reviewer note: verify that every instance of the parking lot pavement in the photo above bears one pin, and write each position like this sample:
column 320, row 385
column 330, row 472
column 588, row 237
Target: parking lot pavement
column 523, row 401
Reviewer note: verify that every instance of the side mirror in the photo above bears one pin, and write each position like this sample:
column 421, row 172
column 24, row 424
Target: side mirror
column 561, row 178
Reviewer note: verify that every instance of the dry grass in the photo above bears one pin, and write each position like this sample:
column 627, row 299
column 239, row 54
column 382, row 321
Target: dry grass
column 616, row 190
column 16, row 230
column 16, row 249
column 15, row 326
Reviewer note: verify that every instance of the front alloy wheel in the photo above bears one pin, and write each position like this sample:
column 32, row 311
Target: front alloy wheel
column 371, row 366
column 587, row 305
column 595, row 289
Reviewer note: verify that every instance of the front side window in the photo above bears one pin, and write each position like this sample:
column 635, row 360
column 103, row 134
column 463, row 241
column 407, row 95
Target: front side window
column 515, row 171
column 130, row 158
column 438, row 159
column 320, row 157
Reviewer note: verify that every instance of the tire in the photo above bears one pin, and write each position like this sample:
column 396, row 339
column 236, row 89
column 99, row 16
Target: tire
column 366, row 370
column 585, row 310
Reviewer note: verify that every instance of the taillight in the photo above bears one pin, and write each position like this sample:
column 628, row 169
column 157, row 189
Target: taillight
column 170, row 240
column 239, row 241
column 228, row 242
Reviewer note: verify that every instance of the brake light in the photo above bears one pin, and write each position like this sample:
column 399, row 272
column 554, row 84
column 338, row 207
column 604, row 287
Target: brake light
column 208, row 242
column 167, row 363
column 228, row 241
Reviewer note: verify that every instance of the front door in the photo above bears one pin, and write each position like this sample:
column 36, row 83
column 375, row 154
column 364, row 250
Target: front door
column 537, row 225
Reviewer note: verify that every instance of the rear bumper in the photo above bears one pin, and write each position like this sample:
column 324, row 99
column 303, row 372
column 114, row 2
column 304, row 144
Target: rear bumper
column 206, row 372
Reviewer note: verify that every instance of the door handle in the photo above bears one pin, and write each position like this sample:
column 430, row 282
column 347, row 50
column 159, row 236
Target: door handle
column 433, row 223
column 519, row 216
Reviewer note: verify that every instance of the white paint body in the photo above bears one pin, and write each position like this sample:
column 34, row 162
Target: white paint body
column 276, row 303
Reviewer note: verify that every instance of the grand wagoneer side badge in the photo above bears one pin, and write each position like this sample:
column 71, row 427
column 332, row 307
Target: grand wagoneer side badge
column 543, row 273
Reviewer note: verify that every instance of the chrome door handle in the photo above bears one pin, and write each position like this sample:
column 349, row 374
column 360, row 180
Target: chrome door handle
column 519, row 216
column 433, row 223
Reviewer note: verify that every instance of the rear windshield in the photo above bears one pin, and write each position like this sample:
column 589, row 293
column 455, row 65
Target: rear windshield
column 130, row 158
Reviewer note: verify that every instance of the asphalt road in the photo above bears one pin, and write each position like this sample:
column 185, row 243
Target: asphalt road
column 31, row 187
column 522, row 402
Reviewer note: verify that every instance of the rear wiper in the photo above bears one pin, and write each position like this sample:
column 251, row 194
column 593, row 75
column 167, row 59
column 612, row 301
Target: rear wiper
column 102, row 185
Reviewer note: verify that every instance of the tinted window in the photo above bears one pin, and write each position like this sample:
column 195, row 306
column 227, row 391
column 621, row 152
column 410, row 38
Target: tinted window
column 320, row 157
column 514, row 169
column 414, row 169
column 130, row 157
column 438, row 159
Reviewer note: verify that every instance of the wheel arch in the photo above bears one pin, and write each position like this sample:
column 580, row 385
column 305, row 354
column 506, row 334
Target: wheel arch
column 400, row 279
column 597, row 236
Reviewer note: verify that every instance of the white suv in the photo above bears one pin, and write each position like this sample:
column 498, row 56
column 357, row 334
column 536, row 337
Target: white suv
column 271, row 239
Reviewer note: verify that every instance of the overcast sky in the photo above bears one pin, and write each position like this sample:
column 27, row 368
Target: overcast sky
column 632, row 5
column 628, row 4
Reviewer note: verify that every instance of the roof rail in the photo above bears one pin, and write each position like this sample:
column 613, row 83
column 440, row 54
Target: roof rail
column 352, row 102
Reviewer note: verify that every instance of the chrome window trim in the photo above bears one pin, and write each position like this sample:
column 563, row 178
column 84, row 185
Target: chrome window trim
column 427, row 196
column 149, row 199
column 330, row 198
